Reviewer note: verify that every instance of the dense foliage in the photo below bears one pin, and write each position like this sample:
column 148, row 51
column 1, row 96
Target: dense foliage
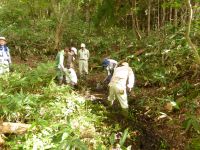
column 149, row 34
column 40, row 26
column 59, row 117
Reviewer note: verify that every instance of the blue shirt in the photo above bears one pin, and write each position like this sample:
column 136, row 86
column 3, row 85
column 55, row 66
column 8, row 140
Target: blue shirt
column 4, row 54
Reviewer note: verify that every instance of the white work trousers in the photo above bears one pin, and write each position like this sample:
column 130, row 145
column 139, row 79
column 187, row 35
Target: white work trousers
column 4, row 67
column 83, row 66
column 116, row 91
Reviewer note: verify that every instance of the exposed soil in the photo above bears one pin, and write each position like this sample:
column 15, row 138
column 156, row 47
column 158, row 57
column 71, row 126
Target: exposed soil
column 141, row 126
column 151, row 129
column 149, row 132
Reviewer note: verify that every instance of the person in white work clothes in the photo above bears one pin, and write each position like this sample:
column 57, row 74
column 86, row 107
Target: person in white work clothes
column 71, row 77
column 123, row 80
column 83, row 56
column 5, row 58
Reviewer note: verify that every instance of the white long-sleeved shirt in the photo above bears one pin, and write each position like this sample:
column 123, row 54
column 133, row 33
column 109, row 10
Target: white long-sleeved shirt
column 121, row 75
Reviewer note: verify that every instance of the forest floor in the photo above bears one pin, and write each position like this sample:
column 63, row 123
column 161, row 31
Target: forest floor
column 139, row 125
column 150, row 131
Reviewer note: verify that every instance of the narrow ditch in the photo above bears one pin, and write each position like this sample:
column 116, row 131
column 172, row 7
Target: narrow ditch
column 146, row 137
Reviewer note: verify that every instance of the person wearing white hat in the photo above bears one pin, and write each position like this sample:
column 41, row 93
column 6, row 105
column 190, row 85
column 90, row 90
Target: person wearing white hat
column 83, row 55
column 5, row 58
column 122, row 81
column 74, row 50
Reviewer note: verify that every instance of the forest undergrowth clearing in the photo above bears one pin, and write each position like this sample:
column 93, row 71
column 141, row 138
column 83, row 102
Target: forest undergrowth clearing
column 156, row 114
column 151, row 125
column 146, row 137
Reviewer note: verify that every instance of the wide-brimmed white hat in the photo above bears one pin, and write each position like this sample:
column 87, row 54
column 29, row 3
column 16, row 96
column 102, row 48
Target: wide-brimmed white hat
column 82, row 45
column 74, row 50
column 2, row 38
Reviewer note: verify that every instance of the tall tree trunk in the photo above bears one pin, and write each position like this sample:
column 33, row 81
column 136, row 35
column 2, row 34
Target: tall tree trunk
column 175, row 17
column 137, row 26
column 60, row 11
column 59, row 32
column 149, row 18
column 193, row 47
column 57, row 36
column 155, row 19
column 87, row 14
column 134, row 20
column 158, row 15
column 183, row 16
column 126, row 21
column 170, row 14
column 163, row 14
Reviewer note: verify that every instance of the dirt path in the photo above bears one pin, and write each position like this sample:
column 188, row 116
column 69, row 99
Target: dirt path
column 146, row 132
column 140, row 126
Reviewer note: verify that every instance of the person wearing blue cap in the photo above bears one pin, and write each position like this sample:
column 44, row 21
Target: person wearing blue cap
column 5, row 58
column 109, row 65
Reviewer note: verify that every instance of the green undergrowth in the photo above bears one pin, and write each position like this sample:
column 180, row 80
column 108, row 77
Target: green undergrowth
column 60, row 118
column 167, row 76
column 168, row 89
